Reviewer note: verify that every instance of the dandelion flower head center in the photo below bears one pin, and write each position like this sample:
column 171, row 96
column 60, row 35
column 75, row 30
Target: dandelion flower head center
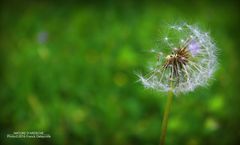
column 179, row 58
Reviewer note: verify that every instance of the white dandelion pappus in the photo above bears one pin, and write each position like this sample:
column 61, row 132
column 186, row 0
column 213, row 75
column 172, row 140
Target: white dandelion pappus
column 190, row 64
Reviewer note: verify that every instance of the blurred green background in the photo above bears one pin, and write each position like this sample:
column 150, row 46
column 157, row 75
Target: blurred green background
column 68, row 68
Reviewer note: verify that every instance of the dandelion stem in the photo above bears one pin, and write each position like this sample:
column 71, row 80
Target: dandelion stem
column 165, row 117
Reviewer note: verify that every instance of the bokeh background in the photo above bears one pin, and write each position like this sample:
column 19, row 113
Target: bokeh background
column 68, row 68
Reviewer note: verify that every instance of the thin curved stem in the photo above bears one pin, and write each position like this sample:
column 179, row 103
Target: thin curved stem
column 165, row 117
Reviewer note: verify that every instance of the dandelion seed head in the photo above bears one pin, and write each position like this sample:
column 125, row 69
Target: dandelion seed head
column 189, row 62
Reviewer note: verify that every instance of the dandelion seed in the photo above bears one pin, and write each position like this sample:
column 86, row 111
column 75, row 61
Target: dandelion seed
column 166, row 38
column 179, row 28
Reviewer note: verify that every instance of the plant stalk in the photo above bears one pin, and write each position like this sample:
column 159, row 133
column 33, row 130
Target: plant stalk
column 165, row 117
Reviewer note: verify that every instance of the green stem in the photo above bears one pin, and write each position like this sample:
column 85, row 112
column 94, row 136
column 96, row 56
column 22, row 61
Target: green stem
column 165, row 117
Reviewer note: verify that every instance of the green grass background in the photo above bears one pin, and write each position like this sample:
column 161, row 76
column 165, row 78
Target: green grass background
column 68, row 68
